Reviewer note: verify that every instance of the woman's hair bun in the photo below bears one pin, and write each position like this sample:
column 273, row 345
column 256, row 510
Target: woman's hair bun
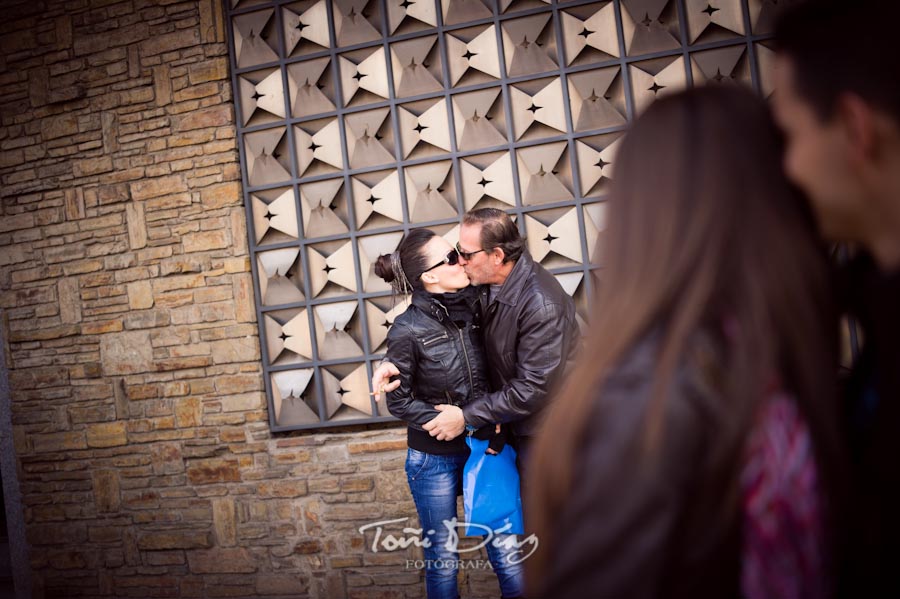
column 383, row 268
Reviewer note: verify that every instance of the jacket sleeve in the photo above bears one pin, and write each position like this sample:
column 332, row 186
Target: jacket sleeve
column 546, row 336
column 614, row 533
column 401, row 402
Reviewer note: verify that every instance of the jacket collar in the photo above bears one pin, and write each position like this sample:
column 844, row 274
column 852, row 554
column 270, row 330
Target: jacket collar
column 424, row 301
column 518, row 277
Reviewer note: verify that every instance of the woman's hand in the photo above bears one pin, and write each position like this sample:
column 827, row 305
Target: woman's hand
column 381, row 380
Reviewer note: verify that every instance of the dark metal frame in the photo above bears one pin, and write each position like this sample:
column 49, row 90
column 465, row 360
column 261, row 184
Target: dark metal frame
column 749, row 40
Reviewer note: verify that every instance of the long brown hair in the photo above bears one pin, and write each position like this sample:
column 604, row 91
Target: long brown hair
column 702, row 228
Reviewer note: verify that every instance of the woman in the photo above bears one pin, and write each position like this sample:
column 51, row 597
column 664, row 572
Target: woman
column 436, row 346
column 694, row 453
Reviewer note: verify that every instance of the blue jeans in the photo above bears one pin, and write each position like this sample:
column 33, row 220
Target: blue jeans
column 435, row 482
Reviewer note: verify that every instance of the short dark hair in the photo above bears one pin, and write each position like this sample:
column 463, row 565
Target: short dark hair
column 840, row 46
column 497, row 231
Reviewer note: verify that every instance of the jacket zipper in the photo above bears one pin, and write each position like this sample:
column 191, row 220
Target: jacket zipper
column 468, row 365
column 430, row 341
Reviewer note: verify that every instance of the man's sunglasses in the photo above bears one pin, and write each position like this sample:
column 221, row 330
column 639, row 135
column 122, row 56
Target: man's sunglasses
column 452, row 258
column 466, row 255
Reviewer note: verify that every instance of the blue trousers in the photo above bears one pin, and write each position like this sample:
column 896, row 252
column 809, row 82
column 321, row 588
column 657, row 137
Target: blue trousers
column 435, row 482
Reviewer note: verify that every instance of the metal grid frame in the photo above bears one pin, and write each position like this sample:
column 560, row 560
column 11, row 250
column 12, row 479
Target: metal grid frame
column 750, row 41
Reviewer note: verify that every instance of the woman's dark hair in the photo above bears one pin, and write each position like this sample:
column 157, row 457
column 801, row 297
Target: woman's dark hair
column 497, row 231
column 413, row 261
column 703, row 230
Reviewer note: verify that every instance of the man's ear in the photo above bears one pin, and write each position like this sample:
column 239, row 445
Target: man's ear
column 498, row 256
column 857, row 119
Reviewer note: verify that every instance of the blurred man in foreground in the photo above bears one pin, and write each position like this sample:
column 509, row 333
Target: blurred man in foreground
column 838, row 101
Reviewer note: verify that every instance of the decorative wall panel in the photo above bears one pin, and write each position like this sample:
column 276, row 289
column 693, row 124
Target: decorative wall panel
column 359, row 119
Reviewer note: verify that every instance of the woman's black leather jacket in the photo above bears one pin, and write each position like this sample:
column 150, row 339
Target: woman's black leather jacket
column 439, row 362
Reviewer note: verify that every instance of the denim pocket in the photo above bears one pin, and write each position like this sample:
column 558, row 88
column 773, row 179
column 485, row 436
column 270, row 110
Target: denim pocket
column 415, row 462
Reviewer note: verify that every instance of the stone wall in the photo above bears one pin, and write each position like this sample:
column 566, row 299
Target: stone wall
column 140, row 425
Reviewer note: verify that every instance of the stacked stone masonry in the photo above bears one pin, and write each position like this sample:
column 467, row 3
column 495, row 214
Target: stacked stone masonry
column 144, row 454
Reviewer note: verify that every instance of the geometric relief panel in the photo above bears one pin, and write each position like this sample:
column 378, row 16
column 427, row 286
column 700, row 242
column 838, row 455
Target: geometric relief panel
column 479, row 119
column 311, row 87
column 341, row 331
column 416, row 66
column 356, row 21
column 380, row 314
column 288, row 336
column 294, row 397
column 267, row 156
column 461, row 11
column 721, row 66
column 430, row 193
column 763, row 14
column 450, row 232
column 424, row 128
column 262, row 97
column 713, row 20
column 318, row 147
column 507, row 6
column 550, row 239
column 654, row 79
column 370, row 248
column 596, row 155
column 306, row 27
column 409, row 17
column 545, row 175
column 376, row 199
column 487, row 181
column 529, row 45
column 370, row 138
column 346, row 391
column 255, row 38
column 331, row 270
column 595, row 226
column 537, row 108
column 589, row 33
column 364, row 77
column 324, row 208
column 280, row 278
column 573, row 284
column 274, row 216
column 596, row 99
column 472, row 55
column 361, row 119
column 650, row 26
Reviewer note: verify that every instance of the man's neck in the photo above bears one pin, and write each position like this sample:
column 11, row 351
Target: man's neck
column 503, row 273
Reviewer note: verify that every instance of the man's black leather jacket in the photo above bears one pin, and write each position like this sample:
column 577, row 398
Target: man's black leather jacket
column 439, row 362
column 531, row 336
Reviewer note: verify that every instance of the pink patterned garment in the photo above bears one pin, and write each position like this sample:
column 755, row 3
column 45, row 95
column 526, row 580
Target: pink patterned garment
column 783, row 552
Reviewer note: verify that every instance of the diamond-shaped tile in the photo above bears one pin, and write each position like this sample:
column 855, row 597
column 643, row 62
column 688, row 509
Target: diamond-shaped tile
column 529, row 45
column 255, row 38
column 280, row 279
column 310, row 87
column 544, row 173
column 306, row 27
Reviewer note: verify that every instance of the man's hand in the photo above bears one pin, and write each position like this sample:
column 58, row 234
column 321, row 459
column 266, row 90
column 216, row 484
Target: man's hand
column 489, row 449
column 447, row 425
column 381, row 380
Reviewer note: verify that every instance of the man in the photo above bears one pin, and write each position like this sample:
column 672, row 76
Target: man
column 838, row 100
column 529, row 330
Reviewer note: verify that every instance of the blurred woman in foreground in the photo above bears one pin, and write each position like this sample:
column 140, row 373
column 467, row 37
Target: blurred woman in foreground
column 693, row 451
